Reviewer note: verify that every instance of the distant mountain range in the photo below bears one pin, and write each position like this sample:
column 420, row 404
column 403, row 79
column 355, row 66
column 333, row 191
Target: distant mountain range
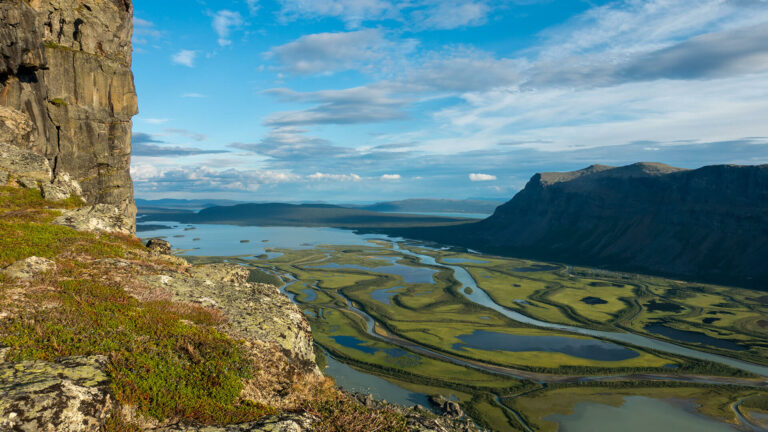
column 434, row 206
column 195, row 204
column 280, row 214
column 420, row 205
column 706, row 224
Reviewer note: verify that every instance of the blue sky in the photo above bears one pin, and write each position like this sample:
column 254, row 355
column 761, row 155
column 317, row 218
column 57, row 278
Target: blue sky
column 367, row 100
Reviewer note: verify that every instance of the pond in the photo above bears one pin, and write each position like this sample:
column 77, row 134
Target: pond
column 309, row 295
column 693, row 337
column 637, row 414
column 411, row 275
column 462, row 261
column 537, row 268
column 591, row 349
column 354, row 343
column 384, row 295
column 593, row 300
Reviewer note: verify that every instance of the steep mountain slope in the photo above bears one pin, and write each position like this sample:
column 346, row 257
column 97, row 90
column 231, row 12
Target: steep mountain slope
column 433, row 206
column 709, row 223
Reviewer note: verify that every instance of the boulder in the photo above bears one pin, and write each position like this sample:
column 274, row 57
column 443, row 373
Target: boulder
column 25, row 165
column 62, row 187
column 71, row 395
column 159, row 246
column 446, row 406
column 29, row 268
column 97, row 218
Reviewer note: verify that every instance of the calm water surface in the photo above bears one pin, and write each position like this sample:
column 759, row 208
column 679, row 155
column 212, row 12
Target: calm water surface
column 583, row 348
column 637, row 414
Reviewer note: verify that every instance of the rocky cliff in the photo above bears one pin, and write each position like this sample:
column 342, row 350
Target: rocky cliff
column 66, row 86
column 709, row 223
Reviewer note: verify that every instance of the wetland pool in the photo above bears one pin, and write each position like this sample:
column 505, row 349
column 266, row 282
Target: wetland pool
column 637, row 414
column 694, row 337
column 591, row 349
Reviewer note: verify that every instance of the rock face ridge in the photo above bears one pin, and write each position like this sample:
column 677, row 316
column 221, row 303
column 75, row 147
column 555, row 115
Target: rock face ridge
column 709, row 223
column 67, row 90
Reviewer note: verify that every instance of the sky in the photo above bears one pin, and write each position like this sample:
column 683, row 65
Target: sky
column 371, row 100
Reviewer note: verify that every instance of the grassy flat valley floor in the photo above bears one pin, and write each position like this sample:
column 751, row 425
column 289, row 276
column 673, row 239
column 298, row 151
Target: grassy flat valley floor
column 399, row 311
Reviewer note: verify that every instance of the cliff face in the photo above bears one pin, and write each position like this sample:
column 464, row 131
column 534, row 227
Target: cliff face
column 710, row 223
column 66, row 65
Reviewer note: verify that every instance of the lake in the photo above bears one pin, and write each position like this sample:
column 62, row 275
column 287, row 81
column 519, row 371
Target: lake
column 591, row 349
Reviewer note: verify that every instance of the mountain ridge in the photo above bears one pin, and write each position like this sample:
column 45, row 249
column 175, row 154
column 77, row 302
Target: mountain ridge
column 708, row 224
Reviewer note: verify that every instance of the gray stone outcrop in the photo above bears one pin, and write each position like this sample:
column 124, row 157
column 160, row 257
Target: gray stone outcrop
column 65, row 64
column 254, row 310
column 71, row 395
column 29, row 268
column 96, row 218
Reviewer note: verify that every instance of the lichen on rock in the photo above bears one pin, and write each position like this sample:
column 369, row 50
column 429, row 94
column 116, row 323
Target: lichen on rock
column 70, row 395
column 29, row 268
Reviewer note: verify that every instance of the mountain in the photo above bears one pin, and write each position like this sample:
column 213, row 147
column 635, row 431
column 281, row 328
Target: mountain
column 280, row 214
column 433, row 206
column 706, row 224
column 187, row 204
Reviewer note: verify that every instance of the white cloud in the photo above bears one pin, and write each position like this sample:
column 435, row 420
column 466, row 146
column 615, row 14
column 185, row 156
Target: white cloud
column 352, row 12
column 143, row 29
column 253, row 6
column 417, row 14
column 322, row 53
column 185, row 58
column 390, row 177
column 348, row 106
column 450, row 14
column 224, row 21
column 334, row 177
column 202, row 178
column 481, row 177
column 154, row 121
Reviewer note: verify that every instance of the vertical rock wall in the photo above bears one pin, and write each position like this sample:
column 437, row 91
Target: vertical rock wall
column 67, row 65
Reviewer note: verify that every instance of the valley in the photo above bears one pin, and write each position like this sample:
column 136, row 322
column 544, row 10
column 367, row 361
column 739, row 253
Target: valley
column 442, row 321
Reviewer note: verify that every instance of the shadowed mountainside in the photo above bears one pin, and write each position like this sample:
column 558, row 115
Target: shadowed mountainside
column 433, row 206
column 706, row 224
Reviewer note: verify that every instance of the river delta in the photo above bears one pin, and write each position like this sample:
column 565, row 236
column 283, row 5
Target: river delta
column 522, row 345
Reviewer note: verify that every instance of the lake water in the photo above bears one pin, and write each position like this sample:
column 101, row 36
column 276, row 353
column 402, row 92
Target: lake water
column 694, row 337
column 224, row 240
column 384, row 295
column 309, row 295
column 583, row 348
column 637, row 414
column 354, row 380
